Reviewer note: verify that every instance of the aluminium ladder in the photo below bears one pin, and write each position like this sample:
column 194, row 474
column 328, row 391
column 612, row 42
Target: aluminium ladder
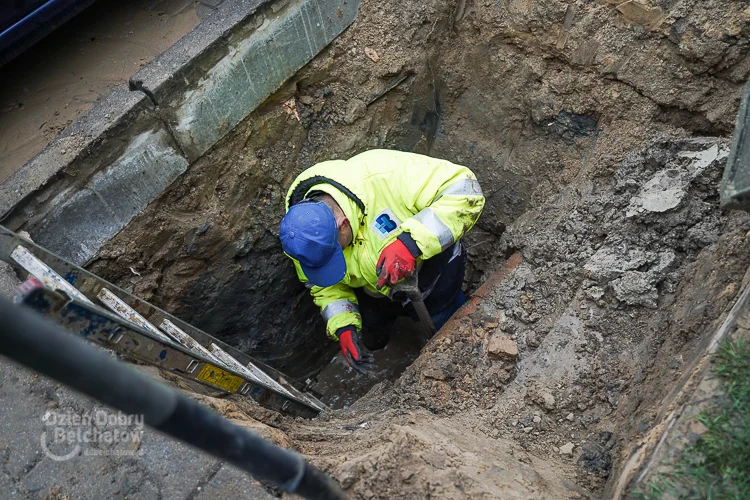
column 112, row 318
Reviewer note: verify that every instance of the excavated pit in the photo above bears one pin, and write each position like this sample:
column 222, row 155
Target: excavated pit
column 598, row 134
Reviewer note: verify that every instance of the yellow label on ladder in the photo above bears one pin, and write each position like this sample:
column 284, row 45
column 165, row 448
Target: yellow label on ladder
column 220, row 378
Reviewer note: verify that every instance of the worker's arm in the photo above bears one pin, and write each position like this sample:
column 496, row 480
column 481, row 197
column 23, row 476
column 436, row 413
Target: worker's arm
column 447, row 201
column 337, row 303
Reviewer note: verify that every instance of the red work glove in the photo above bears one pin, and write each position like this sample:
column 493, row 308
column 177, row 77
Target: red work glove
column 395, row 263
column 354, row 350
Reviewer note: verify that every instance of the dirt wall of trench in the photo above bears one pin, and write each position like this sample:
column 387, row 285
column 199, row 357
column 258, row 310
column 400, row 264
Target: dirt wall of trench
column 510, row 89
column 575, row 116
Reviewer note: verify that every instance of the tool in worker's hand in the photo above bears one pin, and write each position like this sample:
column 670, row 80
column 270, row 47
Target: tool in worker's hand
column 410, row 287
column 396, row 268
column 355, row 353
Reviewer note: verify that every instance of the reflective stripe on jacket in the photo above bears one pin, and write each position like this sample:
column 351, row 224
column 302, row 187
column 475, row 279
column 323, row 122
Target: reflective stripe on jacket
column 384, row 193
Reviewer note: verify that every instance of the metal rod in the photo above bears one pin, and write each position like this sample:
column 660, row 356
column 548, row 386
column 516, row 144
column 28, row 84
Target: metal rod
column 423, row 314
column 40, row 345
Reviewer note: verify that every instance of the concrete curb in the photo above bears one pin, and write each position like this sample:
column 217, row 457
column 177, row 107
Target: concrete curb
column 87, row 185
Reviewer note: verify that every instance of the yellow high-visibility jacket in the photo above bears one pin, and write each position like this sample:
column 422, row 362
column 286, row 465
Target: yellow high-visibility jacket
column 384, row 193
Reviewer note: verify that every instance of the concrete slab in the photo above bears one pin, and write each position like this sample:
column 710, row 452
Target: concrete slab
column 179, row 468
column 254, row 68
column 24, row 403
column 79, row 226
column 230, row 483
column 9, row 488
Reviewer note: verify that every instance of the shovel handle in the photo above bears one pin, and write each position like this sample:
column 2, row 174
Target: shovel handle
column 410, row 286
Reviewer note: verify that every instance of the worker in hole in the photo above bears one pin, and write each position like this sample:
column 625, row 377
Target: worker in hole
column 354, row 228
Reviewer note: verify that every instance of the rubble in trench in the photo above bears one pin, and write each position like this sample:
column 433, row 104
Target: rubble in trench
column 588, row 132
column 556, row 365
column 549, row 375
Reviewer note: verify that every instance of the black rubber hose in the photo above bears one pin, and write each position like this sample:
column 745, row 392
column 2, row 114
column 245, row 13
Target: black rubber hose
column 33, row 341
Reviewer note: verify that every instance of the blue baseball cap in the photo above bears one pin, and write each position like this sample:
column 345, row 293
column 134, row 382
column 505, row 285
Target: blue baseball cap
column 309, row 234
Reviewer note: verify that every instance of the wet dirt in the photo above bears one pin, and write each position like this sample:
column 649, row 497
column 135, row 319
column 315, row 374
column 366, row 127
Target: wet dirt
column 598, row 132
column 49, row 86
column 340, row 386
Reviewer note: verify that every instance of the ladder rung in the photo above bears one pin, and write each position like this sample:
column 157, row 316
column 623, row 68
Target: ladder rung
column 83, row 306
column 45, row 274
column 186, row 340
column 314, row 402
column 251, row 371
column 119, row 307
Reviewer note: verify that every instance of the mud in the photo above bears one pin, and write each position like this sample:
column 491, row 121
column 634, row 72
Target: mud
column 598, row 131
column 340, row 386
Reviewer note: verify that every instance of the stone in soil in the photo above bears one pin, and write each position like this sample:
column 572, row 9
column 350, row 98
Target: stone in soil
column 502, row 348
column 567, row 449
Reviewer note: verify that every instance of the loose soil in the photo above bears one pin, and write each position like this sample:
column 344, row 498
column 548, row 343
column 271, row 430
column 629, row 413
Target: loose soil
column 598, row 131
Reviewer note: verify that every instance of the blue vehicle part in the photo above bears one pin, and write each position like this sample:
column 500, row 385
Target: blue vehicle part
column 25, row 22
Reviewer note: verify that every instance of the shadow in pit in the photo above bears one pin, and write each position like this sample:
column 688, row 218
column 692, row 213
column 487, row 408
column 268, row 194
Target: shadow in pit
column 340, row 386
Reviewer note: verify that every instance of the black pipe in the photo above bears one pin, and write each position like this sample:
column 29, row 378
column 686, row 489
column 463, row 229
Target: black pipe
column 31, row 340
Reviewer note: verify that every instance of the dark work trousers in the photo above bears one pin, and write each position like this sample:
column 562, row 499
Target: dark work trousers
column 444, row 277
